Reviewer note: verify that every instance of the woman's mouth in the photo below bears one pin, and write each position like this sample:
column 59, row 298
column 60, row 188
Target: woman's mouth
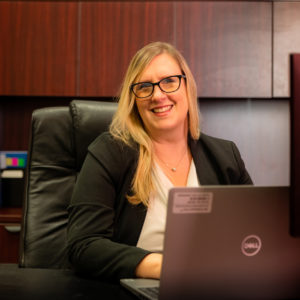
column 162, row 109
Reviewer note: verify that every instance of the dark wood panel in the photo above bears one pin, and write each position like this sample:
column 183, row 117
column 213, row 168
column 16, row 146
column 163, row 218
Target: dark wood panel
column 10, row 215
column 228, row 46
column 111, row 32
column 9, row 241
column 286, row 42
column 16, row 119
column 1, row 128
column 295, row 145
column 38, row 48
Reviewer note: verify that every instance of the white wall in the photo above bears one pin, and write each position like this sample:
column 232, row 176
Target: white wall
column 260, row 129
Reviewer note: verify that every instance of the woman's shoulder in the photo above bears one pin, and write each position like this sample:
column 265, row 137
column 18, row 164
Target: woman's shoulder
column 218, row 147
column 224, row 155
column 212, row 141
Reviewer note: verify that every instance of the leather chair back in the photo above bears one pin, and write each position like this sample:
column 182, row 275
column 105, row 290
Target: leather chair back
column 90, row 119
column 59, row 140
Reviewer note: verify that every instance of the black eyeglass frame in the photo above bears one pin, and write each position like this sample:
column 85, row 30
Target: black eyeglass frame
column 158, row 84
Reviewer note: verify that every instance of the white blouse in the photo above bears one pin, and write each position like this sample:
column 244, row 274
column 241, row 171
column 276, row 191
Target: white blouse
column 152, row 234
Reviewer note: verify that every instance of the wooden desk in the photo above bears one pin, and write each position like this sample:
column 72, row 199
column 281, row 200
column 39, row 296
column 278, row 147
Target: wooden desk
column 36, row 284
column 10, row 226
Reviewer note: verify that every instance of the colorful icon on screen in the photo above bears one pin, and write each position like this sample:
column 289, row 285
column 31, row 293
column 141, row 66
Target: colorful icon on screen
column 13, row 159
column 15, row 162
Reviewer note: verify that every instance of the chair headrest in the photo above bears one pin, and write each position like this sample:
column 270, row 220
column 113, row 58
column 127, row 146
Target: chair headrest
column 90, row 119
column 51, row 131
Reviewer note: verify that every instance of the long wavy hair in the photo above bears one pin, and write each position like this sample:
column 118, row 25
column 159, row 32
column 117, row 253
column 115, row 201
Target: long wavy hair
column 127, row 124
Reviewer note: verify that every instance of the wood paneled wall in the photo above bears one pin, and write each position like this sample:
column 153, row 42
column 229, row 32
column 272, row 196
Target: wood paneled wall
column 295, row 144
column 66, row 48
column 111, row 33
column 82, row 48
column 15, row 119
column 228, row 46
column 38, row 52
column 286, row 42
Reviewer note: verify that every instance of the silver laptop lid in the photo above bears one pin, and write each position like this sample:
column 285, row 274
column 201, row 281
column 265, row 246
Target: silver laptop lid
column 230, row 242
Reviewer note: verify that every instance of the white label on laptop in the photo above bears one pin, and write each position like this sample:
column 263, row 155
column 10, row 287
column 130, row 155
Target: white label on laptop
column 193, row 203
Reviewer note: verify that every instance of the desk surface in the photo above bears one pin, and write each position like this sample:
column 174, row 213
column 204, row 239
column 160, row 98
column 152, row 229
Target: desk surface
column 43, row 284
column 10, row 215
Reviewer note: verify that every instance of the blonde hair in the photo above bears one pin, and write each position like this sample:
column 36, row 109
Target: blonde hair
column 128, row 126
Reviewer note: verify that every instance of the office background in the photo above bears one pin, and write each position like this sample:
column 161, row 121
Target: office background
column 239, row 51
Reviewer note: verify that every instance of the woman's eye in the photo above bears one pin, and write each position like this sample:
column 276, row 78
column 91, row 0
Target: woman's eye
column 145, row 85
column 168, row 80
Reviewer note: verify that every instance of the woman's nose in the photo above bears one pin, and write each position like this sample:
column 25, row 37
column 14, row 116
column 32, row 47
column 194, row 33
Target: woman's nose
column 158, row 94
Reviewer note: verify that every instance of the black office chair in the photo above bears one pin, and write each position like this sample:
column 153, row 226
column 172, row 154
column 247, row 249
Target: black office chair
column 59, row 140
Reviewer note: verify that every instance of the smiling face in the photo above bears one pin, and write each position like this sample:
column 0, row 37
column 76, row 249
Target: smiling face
column 164, row 113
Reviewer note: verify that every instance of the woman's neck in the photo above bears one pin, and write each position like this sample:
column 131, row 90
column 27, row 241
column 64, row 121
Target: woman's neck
column 170, row 149
column 174, row 158
column 170, row 137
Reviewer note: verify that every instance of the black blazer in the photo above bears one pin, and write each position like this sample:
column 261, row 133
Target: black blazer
column 103, row 227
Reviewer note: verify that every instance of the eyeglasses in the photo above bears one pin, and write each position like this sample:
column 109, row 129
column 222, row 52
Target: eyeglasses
column 168, row 85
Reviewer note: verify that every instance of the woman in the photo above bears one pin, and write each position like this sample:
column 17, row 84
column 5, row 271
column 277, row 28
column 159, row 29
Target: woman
column 118, row 209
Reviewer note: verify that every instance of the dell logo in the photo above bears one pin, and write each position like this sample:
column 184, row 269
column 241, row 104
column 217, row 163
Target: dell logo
column 251, row 245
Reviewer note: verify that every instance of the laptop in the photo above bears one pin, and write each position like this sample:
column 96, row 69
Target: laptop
column 229, row 242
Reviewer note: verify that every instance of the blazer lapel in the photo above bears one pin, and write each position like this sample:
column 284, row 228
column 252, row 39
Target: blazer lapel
column 205, row 169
